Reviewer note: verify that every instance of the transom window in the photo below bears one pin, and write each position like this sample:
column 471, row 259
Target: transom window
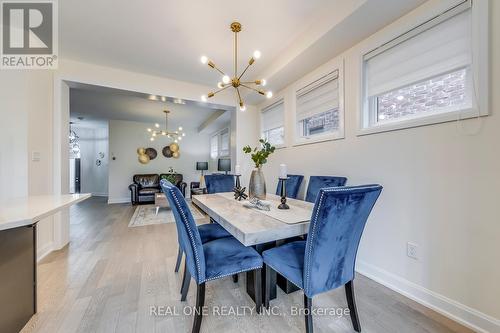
column 272, row 120
column 317, row 108
column 423, row 76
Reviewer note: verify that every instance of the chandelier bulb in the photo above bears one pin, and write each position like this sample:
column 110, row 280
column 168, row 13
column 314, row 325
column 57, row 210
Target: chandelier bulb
column 256, row 54
column 180, row 128
column 152, row 139
column 263, row 82
column 180, row 138
column 204, row 60
column 204, row 98
column 183, row 134
column 157, row 125
column 226, row 79
column 242, row 107
column 149, row 130
column 220, row 85
column 175, row 141
column 269, row 94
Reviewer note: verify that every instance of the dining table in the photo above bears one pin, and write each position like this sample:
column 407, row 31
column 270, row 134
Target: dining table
column 260, row 229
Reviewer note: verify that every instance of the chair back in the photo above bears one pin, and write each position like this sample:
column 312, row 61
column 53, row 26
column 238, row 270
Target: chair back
column 318, row 182
column 218, row 183
column 338, row 219
column 187, row 231
column 177, row 177
column 292, row 186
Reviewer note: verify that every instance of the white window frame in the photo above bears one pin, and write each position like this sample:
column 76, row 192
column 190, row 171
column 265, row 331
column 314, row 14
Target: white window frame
column 218, row 135
column 479, row 67
column 336, row 64
column 275, row 101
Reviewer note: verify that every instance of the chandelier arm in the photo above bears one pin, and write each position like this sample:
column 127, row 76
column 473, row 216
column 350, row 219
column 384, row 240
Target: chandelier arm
column 218, row 70
column 262, row 92
column 241, row 75
column 239, row 96
column 218, row 91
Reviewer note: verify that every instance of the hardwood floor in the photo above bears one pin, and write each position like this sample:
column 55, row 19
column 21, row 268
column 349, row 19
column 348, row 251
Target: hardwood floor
column 110, row 275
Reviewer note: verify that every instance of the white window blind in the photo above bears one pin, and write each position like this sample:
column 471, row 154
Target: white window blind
column 318, row 97
column 436, row 47
column 224, row 142
column 273, row 116
column 214, row 147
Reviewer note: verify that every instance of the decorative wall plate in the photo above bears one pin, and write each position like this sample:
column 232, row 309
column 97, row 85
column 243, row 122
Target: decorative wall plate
column 167, row 152
column 151, row 152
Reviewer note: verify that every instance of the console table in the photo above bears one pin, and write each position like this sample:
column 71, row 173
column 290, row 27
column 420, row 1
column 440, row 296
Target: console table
column 18, row 220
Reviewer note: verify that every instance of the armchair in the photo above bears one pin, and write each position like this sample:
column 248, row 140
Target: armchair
column 145, row 186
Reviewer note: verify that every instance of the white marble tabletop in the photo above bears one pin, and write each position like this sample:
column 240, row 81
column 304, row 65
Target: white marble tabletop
column 24, row 211
column 248, row 225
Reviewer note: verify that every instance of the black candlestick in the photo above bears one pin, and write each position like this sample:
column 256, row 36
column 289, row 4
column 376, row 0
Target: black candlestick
column 283, row 204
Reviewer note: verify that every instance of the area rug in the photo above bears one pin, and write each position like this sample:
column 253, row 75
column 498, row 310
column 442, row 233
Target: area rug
column 146, row 215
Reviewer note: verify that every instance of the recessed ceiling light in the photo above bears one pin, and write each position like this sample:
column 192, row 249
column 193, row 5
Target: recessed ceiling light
column 179, row 101
column 163, row 98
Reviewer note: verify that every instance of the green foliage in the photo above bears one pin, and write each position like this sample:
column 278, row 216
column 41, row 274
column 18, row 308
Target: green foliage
column 259, row 157
column 170, row 178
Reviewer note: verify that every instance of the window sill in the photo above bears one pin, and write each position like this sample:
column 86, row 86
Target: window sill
column 318, row 139
column 419, row 122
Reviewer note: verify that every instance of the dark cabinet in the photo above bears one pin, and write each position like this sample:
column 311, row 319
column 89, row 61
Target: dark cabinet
column 17, row 277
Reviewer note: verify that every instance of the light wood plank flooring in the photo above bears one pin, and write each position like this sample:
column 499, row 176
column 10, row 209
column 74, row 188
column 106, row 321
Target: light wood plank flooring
column 110, row 275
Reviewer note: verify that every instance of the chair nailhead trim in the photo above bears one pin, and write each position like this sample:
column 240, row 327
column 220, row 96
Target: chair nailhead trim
column 186, row 223
column 228, row 274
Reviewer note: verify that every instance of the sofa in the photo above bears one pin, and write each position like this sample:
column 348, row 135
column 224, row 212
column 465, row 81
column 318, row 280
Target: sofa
column 145, row 186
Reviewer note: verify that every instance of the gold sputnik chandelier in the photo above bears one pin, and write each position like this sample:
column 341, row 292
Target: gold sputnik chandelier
column 237, row 80
column 173, row 135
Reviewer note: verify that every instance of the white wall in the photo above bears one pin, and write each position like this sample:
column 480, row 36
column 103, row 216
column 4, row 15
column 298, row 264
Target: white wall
column 94, row 179
column 441, row 191
column 124, row 139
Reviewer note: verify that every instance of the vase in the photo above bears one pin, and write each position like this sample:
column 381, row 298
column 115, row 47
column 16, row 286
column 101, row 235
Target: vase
column 257, row 186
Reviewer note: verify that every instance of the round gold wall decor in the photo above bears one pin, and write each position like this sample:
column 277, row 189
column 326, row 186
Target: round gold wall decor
column 176, row 154
column 174, row 147
column 141, row 151
column 143, row 159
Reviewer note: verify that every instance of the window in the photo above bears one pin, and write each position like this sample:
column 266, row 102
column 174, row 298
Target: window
column 272, row 119
column 220, row 144
column 318, row 113
column 224, row 143
column 423, row 76
column 214, row 147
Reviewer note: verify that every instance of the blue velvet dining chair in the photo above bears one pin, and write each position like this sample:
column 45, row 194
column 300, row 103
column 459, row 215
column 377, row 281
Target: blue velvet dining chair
column 218, row 183
column 292, row 186
column 326, row 260
column 318, row 182
column 212, row 260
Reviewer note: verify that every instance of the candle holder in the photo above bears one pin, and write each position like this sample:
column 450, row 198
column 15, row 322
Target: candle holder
column 283, row 204
column 238, row 181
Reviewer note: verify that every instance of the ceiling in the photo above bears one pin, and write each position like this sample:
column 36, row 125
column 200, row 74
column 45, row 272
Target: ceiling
column 166, row 37
column 98, row 104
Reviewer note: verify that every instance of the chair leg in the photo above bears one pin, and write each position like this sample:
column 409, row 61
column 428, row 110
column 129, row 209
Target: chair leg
column 267, row 287
column 185, row 283
column 257, row 278
column 351, row 303
column 308, row 314
column 198, row 311
column 235, row 278
column 179, row 259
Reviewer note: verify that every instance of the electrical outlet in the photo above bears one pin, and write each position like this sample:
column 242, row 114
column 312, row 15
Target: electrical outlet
column 412, row 250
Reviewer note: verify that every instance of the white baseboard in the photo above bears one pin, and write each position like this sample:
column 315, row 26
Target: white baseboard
column 454, row 310
column 99, row 194
column 43, row 251
column 118, row 200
